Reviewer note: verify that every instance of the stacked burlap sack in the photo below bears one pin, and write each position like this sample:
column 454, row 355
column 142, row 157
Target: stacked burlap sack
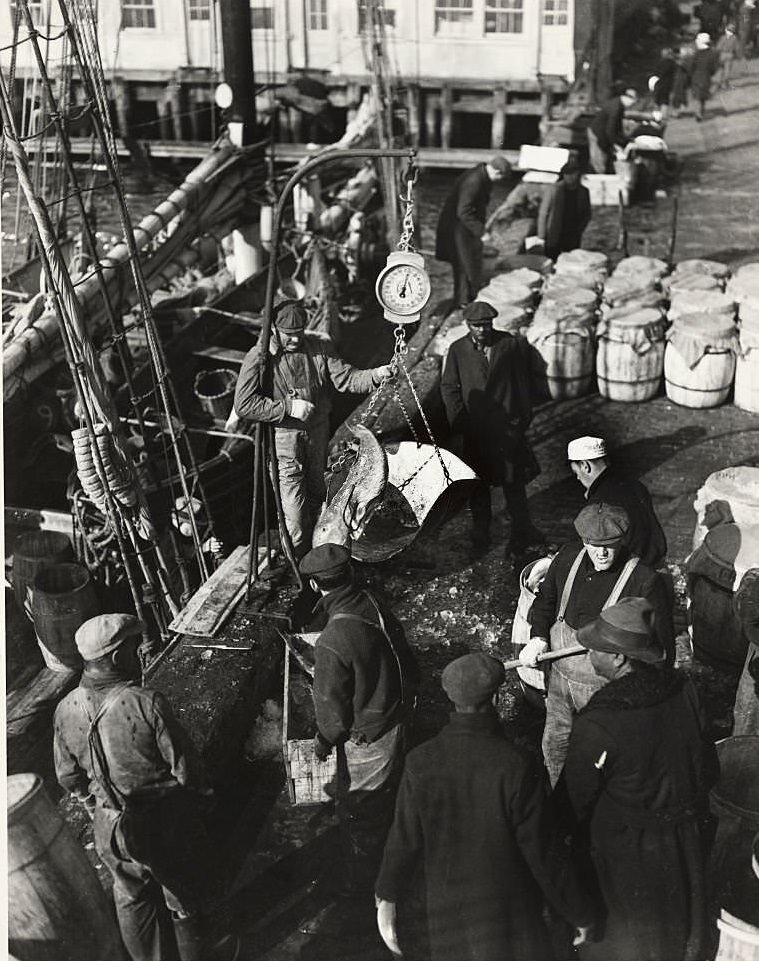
column 743, row 287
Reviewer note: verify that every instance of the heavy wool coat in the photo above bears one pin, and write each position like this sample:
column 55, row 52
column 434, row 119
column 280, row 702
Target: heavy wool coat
column 551, row 226
column 489, row 401
column 645, row 537
column 637, row 775
column 472, row 809
column 464, row 212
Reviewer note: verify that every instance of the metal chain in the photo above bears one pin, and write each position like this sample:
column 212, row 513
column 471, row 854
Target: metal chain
column 405, row 242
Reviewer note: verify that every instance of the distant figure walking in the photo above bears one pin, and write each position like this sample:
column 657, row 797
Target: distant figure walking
column 746, row 24
column 705, row 64
column 727, row 49
column 461, row 227
column 681, row 83
column 663, row 82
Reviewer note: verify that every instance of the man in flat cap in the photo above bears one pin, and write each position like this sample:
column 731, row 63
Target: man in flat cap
column 589, row 461
column 119, row 748
column 365, row 681
column 564, row 212
column 295, row 397
column 461, row 227
column 472, row 810
column 637, row 776
column 487, row 393
column 582, row 580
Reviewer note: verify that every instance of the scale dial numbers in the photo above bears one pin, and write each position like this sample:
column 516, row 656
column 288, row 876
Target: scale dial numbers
column 403, row 289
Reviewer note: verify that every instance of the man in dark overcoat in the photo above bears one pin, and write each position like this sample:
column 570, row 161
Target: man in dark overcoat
column 637, row 775
column 472, row 810
column 461, row 227
column 365, row 679
column 606, row 131
column 589, row 461
column 564, row 212
column 487, row 391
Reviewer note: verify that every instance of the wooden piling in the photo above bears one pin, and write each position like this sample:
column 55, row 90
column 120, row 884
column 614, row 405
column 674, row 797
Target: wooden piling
column 121, row 97
column 498, row 121
column 412, row 107
column 446, row 115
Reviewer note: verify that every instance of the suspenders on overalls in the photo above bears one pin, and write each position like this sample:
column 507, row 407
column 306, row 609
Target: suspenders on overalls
column 562, row 635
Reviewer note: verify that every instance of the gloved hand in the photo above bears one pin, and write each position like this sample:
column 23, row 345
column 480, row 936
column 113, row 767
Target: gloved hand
column 381, row 373
column 531, row 650
column 322, row 749
column 386, row 924
column 299, row 409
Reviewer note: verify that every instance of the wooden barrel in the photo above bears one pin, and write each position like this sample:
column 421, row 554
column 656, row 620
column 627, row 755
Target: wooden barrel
column 735, row 801
column 57, row 910
column 532, row 679
column 699, row 362
column 568, row 356
column 63, row 598
column 630, row 356
column 746, row 394
column 31, row 553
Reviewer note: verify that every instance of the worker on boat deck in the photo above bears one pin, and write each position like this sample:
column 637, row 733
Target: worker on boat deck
column 582, row 580
column 365, row 680
column 589, row 461
column 564, row 212
column 637, row 776
column 487, row 393
column 461, row 228
column 119, row 748
column 472, row 809
column 296, row 398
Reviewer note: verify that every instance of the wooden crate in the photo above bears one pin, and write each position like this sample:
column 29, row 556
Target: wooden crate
column 308, row 781
column 604, row 189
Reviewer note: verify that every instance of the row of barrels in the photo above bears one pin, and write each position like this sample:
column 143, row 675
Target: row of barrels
column 617, row 331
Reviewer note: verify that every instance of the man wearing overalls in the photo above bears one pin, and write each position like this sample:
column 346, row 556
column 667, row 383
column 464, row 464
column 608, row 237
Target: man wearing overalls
column 582, row 580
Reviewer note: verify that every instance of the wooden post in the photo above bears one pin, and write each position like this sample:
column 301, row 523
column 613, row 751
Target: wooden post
column 121, row 96
column 174, row 92
column 353, row 99
column 498, row 120
column 195, row 104
column 164, row 120
column 430, row 103
column 546, row 103
column 412, row 107
column 446, row 115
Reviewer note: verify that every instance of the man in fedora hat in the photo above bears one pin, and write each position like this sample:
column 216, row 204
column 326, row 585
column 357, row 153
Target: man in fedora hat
column 590, row 462
column 295, row 397
column 472, row 810
column 637, row 776
column 487, row 393
column 365, row 680
column 461, row 227
column 119, row 748
column 581, row 581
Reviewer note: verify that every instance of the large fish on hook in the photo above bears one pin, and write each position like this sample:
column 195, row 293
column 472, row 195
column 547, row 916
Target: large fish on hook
column 344, row 517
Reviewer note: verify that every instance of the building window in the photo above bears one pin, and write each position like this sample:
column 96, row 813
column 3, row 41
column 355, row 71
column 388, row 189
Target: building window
column 317, row 15
column 35, row 9
column 555, row 13
column 504, row 16
column 454, row 17
column 262, row 15
column 199, row 9
column 139, row 14
column 386, row 13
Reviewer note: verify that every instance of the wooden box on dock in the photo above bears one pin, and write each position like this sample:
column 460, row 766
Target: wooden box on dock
column 604, row 189
column 309, row 781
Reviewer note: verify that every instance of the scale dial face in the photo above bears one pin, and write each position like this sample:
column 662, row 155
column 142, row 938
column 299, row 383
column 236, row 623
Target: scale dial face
column 403, row 288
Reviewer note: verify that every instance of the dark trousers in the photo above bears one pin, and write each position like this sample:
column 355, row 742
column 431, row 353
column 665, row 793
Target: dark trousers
column 467, row 266
column 515, row 495
column 162, row 861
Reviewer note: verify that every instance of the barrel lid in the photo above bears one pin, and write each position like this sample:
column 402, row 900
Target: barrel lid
column 701, row 301
column 576, row 296
column 698, row 266
column 704, row 325
column 638, row 264
column 689, row 282
column 20, row 788
column 589, row 258
column 640, row 318
column 522, row 275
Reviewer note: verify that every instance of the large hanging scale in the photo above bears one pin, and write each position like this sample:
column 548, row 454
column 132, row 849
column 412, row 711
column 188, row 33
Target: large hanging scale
column 403, row 285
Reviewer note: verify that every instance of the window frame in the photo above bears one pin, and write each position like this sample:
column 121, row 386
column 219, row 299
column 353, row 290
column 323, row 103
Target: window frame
column 554, row 14
column 142, row 6
column 391, row 16
column 262, row 5
column 200, row 6
column 321, row 14
column 493, row 8
column 463, row 28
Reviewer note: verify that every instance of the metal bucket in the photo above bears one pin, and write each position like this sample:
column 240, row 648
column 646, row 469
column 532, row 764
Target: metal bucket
column 31, row 554
column 63, row 598
column 215, row 389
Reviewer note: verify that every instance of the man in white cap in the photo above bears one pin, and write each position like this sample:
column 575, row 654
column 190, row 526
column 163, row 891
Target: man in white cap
column 583, row 580
column 119, row 748
column 589, row 461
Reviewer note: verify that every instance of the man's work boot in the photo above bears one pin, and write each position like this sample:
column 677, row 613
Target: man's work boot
column 194, row 945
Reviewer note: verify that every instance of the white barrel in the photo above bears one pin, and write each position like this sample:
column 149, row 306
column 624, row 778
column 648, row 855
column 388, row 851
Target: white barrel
column 630, row 356
column 746, row 394
column 735, row 489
